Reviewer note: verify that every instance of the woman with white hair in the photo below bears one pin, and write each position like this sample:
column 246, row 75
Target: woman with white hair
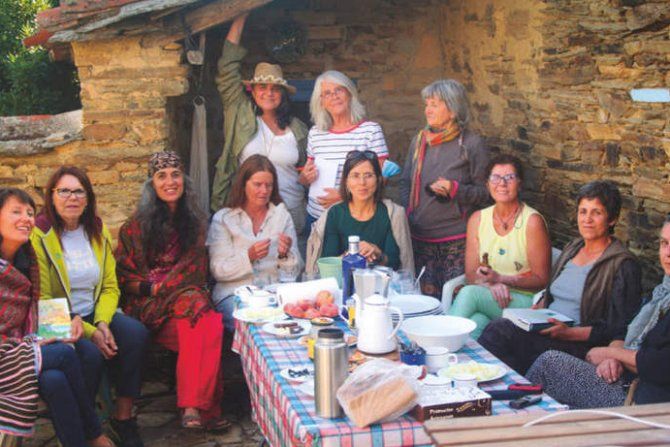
column 443, row 182
column 339, row 127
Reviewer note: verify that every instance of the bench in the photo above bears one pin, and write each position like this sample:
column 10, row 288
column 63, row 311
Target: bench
column 565, row 428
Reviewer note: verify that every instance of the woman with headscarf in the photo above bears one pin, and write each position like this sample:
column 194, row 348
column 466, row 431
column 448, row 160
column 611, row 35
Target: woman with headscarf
column 162, row 269
column 339, row 127
column 29, row 364
column 632, row 369
column 443, row 182
column 260, row 123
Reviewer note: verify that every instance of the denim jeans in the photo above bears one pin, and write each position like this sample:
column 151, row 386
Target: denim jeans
column 62, row 386
column 125, row 367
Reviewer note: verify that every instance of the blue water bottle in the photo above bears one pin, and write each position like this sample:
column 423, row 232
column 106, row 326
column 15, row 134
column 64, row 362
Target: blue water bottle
column 352, row 260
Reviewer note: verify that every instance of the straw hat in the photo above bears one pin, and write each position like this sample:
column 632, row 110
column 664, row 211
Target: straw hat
column 270, row 74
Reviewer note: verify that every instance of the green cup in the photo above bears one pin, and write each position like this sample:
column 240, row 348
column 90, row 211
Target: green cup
column 331, row 267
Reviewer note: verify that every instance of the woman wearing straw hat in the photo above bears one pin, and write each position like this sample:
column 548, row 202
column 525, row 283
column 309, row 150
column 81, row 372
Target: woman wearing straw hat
column 259, row 124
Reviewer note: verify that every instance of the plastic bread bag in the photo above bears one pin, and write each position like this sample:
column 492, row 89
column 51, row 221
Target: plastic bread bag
column 379, row 390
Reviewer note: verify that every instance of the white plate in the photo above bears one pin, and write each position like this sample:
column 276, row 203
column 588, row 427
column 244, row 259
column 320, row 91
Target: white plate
column 300, row 379
column 491, row 371
column 259, row 315
column 307, row 387
column 415, row 304
column 305, row 327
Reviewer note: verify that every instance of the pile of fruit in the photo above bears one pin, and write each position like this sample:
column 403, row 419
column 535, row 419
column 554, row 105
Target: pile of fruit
column 323, row 306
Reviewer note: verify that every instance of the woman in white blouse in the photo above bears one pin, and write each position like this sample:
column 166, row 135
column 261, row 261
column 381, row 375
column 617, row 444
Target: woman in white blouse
column 253, row 236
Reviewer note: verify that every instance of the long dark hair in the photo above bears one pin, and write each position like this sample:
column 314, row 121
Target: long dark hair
column 89, row 219
column 354, row 158
column 18, row 194
column 157, row 223
column 283, row 112
column 256, row 163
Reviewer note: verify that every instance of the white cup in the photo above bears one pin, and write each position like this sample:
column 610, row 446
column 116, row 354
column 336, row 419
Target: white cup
column 438, row 357
column 465, row 380
column 261, row 298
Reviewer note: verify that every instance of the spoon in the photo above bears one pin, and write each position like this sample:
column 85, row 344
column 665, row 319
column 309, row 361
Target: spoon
column 418, row 278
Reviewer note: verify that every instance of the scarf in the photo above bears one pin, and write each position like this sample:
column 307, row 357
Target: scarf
column 20, row 358
column 649, row 314
column 426, row 138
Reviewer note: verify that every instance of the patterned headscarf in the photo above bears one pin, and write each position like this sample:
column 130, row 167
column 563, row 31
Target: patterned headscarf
column 162, row 160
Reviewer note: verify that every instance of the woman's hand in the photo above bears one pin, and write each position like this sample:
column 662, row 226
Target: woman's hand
column 104, row 340
column 609, row 370
column 485, row 275
column 47, row 341
column 500, row 293
column 370, row 251
column 331, row 197
column 441, row 187
column 559, row 330
column 308, row 174
column 596, row 356
column 259, row 250
column 76, row 329
column 284, row 245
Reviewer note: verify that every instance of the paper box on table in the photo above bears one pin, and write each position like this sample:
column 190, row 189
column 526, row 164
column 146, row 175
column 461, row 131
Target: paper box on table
column 445, row 402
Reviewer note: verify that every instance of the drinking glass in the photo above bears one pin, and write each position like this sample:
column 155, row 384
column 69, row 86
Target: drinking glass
column 403, row 282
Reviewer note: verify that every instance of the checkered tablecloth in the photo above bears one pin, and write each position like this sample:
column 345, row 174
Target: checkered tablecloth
column 287, row 416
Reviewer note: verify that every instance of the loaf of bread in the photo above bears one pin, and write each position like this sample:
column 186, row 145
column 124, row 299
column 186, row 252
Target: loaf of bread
column 379, row 402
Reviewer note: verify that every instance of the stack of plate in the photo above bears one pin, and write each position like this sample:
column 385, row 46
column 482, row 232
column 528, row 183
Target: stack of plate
column 415, row 306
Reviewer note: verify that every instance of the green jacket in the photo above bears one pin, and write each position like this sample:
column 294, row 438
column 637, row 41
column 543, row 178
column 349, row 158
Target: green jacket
column 240, row 124
column 54, row 281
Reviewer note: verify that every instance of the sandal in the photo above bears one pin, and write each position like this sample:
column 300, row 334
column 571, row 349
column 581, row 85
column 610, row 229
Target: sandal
column 191, row 421
column 219, row 424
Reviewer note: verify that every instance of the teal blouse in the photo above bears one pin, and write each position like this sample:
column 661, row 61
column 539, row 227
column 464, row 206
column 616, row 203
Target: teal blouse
column 340, row 225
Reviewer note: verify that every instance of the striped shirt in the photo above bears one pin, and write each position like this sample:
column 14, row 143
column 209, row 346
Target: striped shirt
column 329, row 148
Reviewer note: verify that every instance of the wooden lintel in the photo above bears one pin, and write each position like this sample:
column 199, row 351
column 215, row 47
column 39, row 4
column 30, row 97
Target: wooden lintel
column 207, row 16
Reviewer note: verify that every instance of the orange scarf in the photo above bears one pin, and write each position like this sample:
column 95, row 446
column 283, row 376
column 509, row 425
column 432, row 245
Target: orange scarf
column 425, row 138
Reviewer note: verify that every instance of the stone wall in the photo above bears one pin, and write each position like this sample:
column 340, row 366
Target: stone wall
column 124, row 88
column 548, row 80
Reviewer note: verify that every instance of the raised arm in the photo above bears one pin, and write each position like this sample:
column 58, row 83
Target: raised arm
column 235, row 31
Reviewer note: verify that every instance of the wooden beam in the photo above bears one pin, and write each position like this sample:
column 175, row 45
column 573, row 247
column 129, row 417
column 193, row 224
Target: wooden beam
column 207, row 16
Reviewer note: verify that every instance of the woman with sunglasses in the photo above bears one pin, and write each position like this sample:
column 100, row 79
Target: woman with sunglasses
column 259, row 123
column 442, row 183
column 380, row 224
column 339, row 127
column 596, row 282
column 507, row 250
column 76, row 261
column 46, row 365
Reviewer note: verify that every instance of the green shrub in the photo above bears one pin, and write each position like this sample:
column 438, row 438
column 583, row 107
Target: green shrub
column 30, row 83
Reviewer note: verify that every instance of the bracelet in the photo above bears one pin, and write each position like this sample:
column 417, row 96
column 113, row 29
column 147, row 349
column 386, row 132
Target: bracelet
column 145, row 288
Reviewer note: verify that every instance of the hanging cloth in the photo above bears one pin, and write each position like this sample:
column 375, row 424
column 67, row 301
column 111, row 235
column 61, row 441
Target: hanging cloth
column 199, row 170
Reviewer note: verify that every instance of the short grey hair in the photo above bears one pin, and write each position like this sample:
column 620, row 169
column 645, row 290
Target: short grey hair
column 322, row 119
column 453, row 94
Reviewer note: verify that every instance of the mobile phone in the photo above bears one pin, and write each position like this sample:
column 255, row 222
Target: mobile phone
column 525, row 402
column 507, row 394
column 528, row 387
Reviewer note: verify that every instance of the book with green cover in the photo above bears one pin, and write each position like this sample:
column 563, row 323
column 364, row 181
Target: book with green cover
column 54, row 319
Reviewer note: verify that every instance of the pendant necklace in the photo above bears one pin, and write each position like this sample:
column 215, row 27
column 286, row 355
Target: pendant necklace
column 266, row 145
column 512, row 219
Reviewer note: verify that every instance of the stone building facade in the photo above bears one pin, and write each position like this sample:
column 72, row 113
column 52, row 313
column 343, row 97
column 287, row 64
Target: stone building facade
column 548, row 80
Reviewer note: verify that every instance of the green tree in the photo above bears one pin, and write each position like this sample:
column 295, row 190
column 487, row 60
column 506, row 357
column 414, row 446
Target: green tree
column 29, row 82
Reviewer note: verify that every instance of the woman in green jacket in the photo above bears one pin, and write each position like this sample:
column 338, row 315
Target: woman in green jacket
column 259, row 124
column 76, row 261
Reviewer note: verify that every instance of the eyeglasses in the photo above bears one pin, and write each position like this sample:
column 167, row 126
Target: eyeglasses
column 356, row 177
column 496, row 179
column 65, row 193
column 337, row 91
column 367, row 154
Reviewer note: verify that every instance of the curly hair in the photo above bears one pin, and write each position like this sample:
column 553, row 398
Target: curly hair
column 156, row 221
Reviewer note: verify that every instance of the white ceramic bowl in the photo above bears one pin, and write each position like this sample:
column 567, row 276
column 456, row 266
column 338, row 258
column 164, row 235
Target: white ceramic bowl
column 439, row 330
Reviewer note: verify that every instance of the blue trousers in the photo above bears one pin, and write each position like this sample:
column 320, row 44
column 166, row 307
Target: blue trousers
column 125, row 367
column 62, row 386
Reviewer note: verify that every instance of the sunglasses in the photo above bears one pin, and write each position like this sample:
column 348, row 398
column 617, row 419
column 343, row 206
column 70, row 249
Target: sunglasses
column 360, row 155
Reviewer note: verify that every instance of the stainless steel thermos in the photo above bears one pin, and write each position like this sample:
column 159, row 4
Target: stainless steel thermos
column 331, row 367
